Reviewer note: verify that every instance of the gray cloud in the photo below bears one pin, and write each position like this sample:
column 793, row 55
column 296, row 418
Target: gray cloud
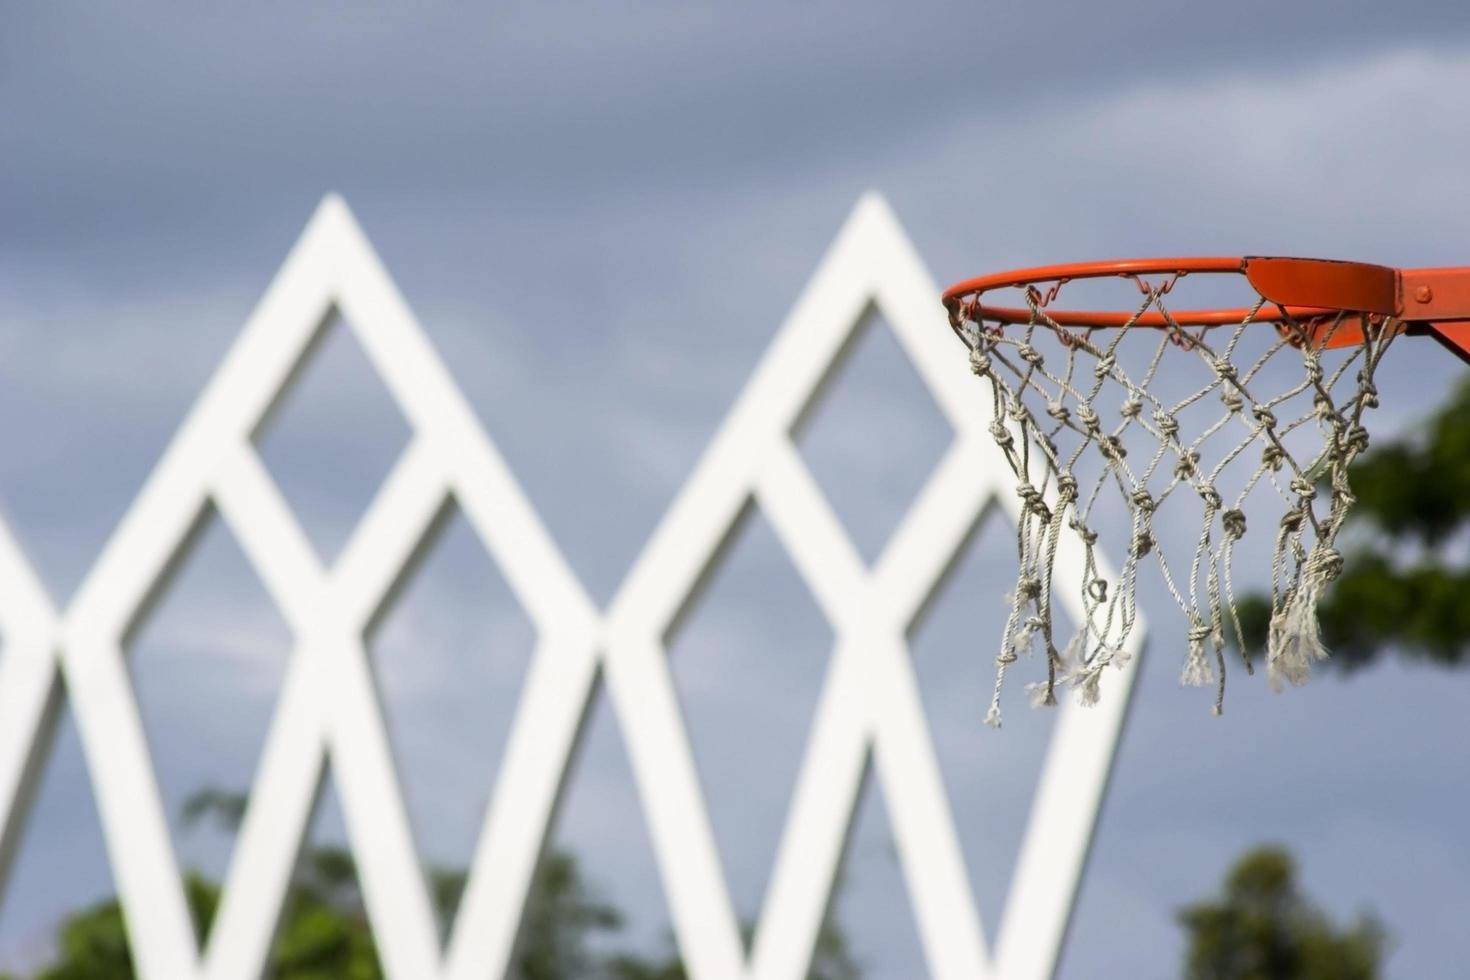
column 129, row 120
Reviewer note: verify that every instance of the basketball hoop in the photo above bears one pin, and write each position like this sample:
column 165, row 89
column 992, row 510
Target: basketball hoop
column 1056, row 373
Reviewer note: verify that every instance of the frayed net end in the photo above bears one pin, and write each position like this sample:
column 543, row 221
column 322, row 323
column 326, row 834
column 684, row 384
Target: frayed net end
column 1197, row 669
column 1087, row 682
column 1295, row 641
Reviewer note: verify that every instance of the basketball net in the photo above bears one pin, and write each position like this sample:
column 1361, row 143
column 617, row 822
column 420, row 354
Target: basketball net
column 1075, row 405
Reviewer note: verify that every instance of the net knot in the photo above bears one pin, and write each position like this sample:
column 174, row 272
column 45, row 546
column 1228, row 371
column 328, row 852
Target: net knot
column 1210, row 496
column 1314, row 369
column 1143, row 543
column 1112, row 448
column 979, row 361
column 1130, row 408
column 1168, row 424
column 1144, row 501
column 1033, row 500
column 1029, row 354
column 1224, row 369
column 1234, row 521
column 1187, row 466
column 1367, row 393
column 1088, row 417
column 1087, row 534
column 1303, row 488
column 1066, row 489
column 1232, row 399
column 1002, row 434
column 1291, row 521
column 1272, row 456
column 1357, row 439
column 1264, row 416
column 1104, row 366
column 1325, row 563
column 1028, row 588
column 1058, row 411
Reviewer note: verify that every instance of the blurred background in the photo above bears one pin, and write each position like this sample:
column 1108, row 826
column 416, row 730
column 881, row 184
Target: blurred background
column 601, row 215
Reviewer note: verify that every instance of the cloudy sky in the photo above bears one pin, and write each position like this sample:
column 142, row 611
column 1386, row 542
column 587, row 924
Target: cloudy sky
column 601, row 216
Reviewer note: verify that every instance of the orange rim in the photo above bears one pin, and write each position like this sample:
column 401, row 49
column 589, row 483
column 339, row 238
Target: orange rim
column 1292, row 288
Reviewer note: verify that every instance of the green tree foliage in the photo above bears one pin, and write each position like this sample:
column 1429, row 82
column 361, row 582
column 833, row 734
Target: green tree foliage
column 1399, row 589
column 561, row 916
column 831, row 960
column 324, row 933
column 1263, row 928
column 93, row 943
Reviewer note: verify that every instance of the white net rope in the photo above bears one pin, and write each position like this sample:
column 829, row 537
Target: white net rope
column 1051, row 421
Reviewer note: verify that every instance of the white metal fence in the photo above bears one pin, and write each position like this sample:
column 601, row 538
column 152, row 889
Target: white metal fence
column 869, row 701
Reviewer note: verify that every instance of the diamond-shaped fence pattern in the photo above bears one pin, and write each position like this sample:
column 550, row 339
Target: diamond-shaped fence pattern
column 868, row 711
